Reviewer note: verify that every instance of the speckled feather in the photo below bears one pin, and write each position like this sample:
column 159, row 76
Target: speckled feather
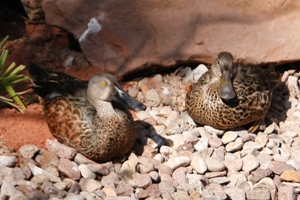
column 100, row 133
column 253, row 87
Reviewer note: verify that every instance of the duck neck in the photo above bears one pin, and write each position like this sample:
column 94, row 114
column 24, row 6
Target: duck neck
column 104, row 109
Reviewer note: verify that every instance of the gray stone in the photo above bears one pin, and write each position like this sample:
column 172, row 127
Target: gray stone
column 8, row 161
column 36, row 171
column 214, row 165
column 89, row 185
column 250, row 163
column 140, row 180
column 229, row 136
column 110, row 180
column 28, row 150
column 258, row 193
column 286, row 192
column 124, row 189
column 198, row 164
column 176, row 162
column 219, row 180
column 152, row 190
column 235, row 146
column 235, row 193
column 86, row 172
column 69, row 168
column 101, row 169
column 279, row 167
column 60, row 150
column 179, row 175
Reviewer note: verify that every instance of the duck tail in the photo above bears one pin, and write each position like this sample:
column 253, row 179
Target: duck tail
column 39, row 77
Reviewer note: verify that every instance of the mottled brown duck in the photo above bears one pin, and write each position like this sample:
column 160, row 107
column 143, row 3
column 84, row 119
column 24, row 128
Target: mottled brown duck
column 231, row 95
column 91, row 117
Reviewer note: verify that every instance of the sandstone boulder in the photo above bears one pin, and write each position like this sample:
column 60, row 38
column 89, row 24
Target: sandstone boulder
column 129, row 36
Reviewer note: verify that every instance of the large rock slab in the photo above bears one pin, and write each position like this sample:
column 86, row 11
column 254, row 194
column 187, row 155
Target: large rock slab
column 127, row 36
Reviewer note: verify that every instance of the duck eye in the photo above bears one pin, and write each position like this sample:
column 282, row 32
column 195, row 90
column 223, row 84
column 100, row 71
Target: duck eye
column 102, row 83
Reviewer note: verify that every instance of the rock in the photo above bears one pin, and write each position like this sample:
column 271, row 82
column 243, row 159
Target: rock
column 154, row 176
column 257, row 194
column 50, row 190
column 267, row 183
column 262, row 139
column 8, row 190
column 176, row 162
column 124, row 189
column 259, row 173
column 69, row 168
column 286, row 192
column 235, row 146
column 89, row 185
column 8, row 161
column 152, row 95
column 101, row 169
column 249, row 163
column 36, row 171
column 290, row 175
column 166, row 188
column 232, row 162
column 48, row 159
column 81, row 159
column 110, row 180
column 219, row 180
column 236, row 179
column 198, row 164
column 217, row 191
column 109, row 192
column 86, row 172
column 214, row 165
column 60, row 150
column 179, row 175
column 28, row 151
column 229, row 136
column 152, row 190
column 140, row 180
column 279, row 167
column 198, row 72
column 181, row 194
column 135, row 45
column 128, row 169
column 235, row 193
column 198, row 181
column 215, row 142
column 264, row 160
column 252, row 145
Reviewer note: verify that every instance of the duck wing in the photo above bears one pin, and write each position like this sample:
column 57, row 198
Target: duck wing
column 46, row 82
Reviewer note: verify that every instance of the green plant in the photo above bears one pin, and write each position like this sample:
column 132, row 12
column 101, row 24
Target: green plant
column 8, row 77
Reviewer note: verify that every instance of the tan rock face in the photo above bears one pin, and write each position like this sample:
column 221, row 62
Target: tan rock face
column 124, row 36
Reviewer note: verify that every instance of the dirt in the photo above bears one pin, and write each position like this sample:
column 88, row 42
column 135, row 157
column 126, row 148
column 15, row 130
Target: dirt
column 18, row 129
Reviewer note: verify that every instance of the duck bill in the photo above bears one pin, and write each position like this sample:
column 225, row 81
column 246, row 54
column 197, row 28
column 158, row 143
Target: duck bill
column 130, row 102
column 226, row 88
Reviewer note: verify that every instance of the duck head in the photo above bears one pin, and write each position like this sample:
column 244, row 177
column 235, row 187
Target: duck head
column 225, row 70
column 105, row 87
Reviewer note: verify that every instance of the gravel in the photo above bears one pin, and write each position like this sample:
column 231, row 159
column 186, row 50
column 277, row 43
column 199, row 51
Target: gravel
column 172, row 157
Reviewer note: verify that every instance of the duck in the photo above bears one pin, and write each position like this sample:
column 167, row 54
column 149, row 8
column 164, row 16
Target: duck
column 232, row 94
column 91, row 116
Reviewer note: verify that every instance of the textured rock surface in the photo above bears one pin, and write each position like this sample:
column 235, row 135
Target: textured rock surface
column 129, row 35
column 172, row 158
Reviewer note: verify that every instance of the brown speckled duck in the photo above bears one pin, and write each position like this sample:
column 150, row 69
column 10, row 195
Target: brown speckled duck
column 232, row 94
column 91, row 117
